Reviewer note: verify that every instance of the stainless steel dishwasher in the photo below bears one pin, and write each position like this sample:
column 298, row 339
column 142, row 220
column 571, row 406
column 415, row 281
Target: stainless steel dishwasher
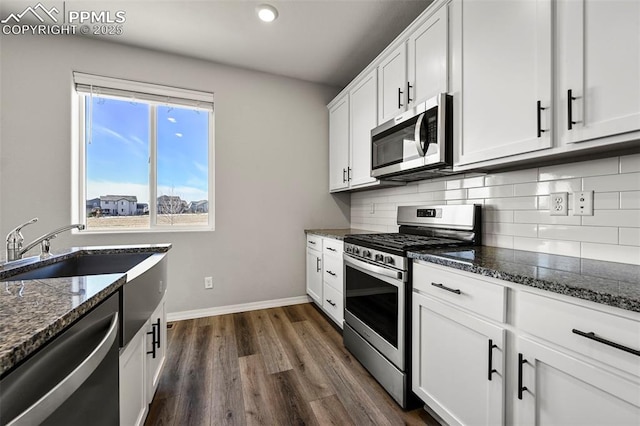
column 71, row 381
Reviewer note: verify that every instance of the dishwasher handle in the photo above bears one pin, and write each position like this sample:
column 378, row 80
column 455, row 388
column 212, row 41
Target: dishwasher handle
column 49, row 403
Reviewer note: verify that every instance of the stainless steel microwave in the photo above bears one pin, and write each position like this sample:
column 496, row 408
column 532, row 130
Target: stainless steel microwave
column 416, row 144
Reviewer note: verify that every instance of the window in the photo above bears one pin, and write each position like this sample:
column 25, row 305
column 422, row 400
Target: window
column 147, row 148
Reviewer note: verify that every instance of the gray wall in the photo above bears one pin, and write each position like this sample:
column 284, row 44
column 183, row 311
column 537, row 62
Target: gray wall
column 271, row 160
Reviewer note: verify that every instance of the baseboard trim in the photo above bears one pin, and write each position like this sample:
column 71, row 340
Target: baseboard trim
column 232, row 309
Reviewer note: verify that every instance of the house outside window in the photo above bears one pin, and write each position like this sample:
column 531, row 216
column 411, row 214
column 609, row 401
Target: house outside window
column 146, row 149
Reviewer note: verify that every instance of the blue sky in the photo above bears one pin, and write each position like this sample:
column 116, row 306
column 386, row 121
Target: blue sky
column 117, row 157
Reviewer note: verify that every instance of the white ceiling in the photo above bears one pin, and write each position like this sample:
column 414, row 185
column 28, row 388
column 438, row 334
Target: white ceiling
column 323, row 41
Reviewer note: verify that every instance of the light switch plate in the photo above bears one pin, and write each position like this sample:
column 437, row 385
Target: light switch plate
column 583, row 203
column 558, row 204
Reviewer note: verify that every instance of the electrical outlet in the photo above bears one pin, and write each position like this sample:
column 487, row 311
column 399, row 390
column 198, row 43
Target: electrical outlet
column 558, row 204
column 208, row 282
column 583, row 203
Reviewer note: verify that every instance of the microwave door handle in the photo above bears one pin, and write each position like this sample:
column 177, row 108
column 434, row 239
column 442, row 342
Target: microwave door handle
column 419, row 145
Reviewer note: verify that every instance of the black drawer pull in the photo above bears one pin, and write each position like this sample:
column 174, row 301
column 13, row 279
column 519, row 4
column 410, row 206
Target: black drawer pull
column 331, row 273
column 312, row 242
column 491, row 370
column 521, row 362
column 444, row 287
column 331, row 303
column 591, row 335
column 152, row 352
column 331, row 248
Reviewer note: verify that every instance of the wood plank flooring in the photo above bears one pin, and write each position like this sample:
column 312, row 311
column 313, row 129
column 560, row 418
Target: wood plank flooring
column 280, row 366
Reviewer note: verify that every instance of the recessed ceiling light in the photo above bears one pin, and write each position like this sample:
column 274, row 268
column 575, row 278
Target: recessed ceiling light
column 267, row 13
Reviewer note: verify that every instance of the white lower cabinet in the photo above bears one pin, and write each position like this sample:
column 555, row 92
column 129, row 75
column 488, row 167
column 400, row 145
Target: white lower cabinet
column 314, row 274
column 556, row 388
column 458, row 363
column 325, row 275
column 141, row 363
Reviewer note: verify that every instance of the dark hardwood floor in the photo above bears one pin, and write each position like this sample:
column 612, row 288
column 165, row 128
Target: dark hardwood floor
column 280, row 366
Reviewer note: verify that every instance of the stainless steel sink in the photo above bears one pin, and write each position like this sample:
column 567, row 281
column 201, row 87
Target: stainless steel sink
column 87, row 264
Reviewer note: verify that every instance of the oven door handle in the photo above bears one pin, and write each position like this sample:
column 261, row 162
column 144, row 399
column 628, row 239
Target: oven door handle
column 368, row 267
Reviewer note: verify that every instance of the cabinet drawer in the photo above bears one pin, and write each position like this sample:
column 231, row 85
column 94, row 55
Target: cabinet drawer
column 332, row 272
column 332, row 247
column 478, row 296
column 333, row 304
column 314, row 242
column 555, row 321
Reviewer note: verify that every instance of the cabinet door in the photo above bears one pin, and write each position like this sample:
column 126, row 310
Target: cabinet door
column 428, row 58
column 363, row 116
column 156, row 349
column 339, row 145
column 503, row 52
column 133, row 402
column 454, row 356
column 392, row 75
column 563, row 390
column 314, row 275
column 598, row 53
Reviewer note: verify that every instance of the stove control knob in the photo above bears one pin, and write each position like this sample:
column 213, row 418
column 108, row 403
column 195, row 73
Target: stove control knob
column 388, row 260
column 347, row 249
column 366, row 253
column 356, row 250
column 379, row 258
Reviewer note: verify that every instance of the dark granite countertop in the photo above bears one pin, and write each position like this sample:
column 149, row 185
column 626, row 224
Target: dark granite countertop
column 338, row 234
column 609, row 283
column 32, row 312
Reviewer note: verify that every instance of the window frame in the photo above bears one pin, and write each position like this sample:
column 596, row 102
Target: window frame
column 79, row 153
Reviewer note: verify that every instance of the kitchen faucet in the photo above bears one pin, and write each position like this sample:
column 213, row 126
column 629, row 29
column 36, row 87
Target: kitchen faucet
column 15, row 240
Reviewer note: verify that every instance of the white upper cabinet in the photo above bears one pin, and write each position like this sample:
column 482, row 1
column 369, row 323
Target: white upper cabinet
column 363, row 118
column 392, row 95
column 339, row 144
column 428, row 59
column 598, row 60
column 502, row 78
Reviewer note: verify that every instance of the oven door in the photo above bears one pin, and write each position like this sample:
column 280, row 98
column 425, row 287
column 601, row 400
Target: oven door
column 375, row 306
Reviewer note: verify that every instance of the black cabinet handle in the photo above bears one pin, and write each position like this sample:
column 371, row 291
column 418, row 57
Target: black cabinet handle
column 157, row 324
column 349, row 174
column 521, row 362
column 331, row 273
column 591, row 335
column 490, row 369
column 442, row 286
column 409, row 86
column 312, row 242
column 399, row 98
column 331, row 248
column 539, row 115
column 330, row 302
column 344, row 175
column 570, row 99
column 152, row 352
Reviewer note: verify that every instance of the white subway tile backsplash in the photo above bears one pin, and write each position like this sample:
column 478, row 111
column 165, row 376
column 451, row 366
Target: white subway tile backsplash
column 629, row 236
column 516, row 207
column 500, row 191
column 630, row 200
column 621, row 182
column 545, row 188
column 607, row 200
column 630, row 163
column 513, row 203
column 513, row 229
column 518, row 176
column 605, row 166
column 563, row 248
column 493, row 240
column 595, row 234
column 611, row 253
column 625, row 218
column 467, row 182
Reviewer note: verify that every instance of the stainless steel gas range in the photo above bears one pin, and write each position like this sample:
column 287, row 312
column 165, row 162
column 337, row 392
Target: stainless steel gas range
column 377, row 329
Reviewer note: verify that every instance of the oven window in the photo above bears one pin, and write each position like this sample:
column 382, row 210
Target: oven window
column 373, row 302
